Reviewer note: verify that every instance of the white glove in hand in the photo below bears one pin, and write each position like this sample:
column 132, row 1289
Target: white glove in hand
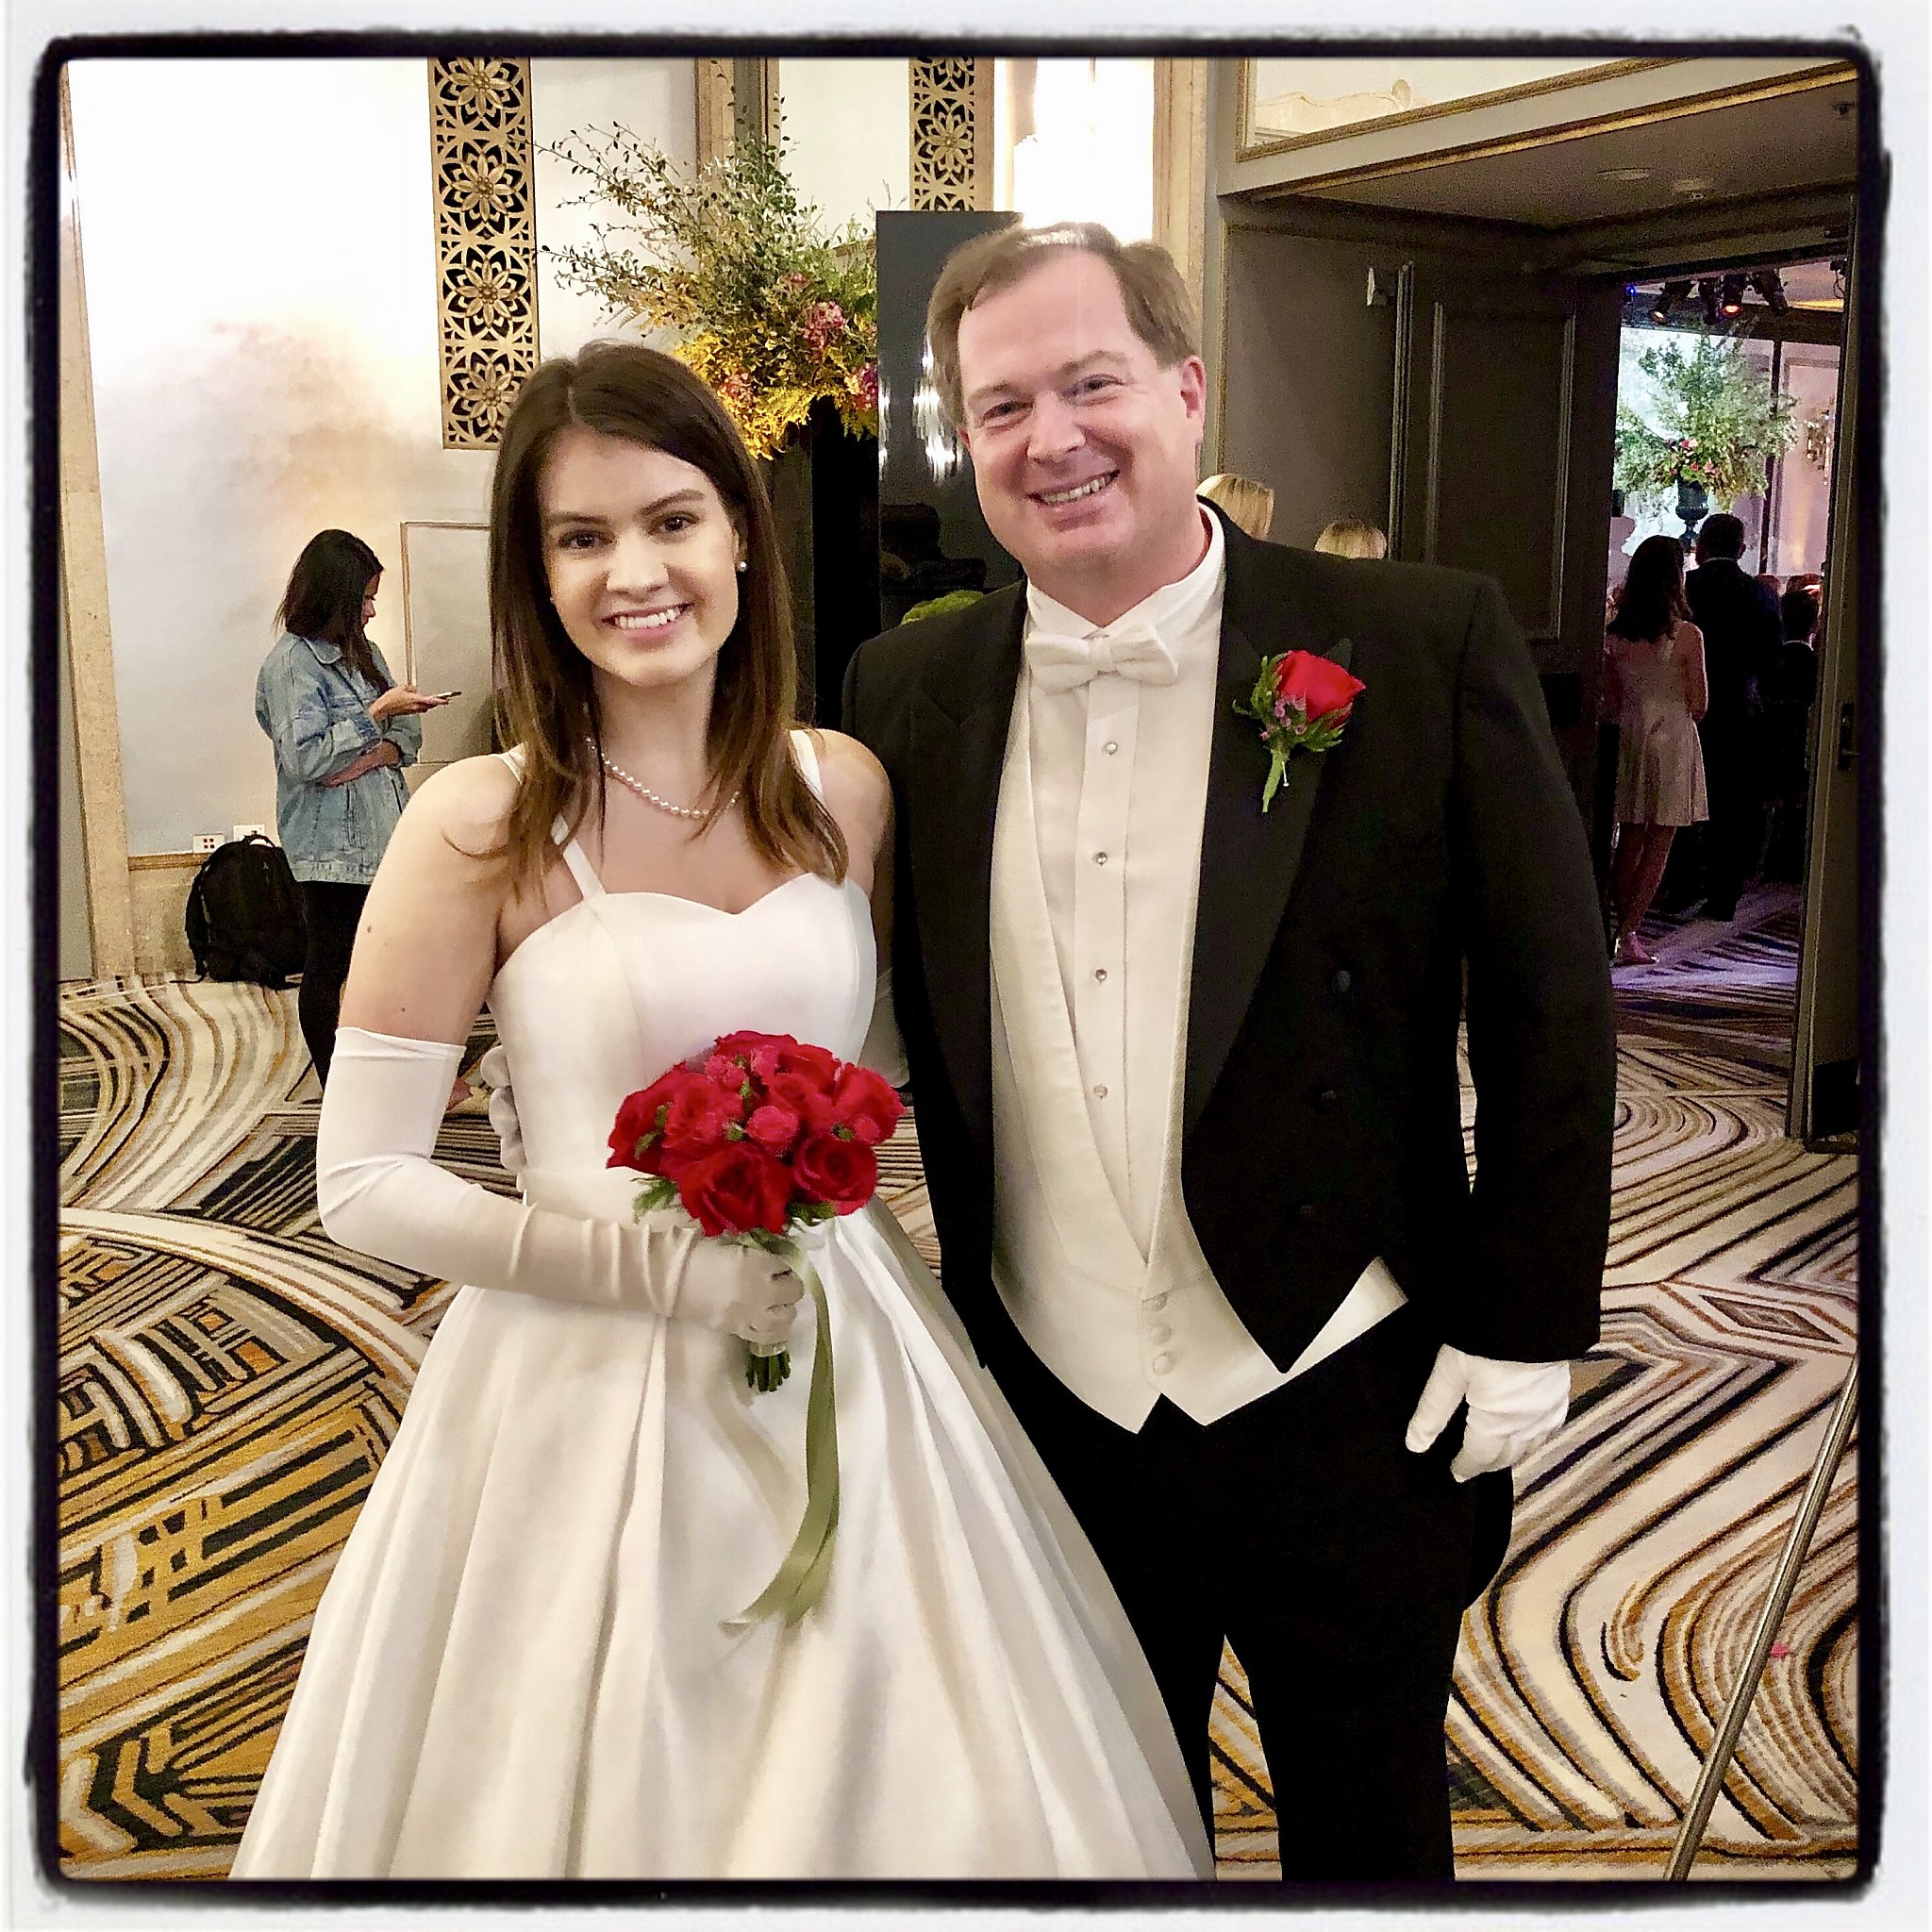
column 1513, row 1409
column 493, row 1071
column 380, row 1191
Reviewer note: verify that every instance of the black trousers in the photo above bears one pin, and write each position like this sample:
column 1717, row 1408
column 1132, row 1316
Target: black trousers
column 1337, row 1563
column 333, row 912
column 1734, row 838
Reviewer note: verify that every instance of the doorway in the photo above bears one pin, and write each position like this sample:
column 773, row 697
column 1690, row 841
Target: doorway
column 1729, row 393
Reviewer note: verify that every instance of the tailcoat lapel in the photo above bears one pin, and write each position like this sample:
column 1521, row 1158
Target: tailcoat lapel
column 960, row 717
column 1248, row 859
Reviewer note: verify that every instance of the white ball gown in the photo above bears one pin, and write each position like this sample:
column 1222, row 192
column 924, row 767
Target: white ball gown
column 521, row 1667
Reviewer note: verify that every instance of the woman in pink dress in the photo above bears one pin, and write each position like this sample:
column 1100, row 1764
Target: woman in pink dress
column 1654, row 686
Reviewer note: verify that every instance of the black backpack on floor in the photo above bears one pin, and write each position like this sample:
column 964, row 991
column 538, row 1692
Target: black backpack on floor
column 244, row 914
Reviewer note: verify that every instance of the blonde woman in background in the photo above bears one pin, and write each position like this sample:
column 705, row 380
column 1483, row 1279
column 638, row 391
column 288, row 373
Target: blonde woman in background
column 1251, row 504
column 1344, row 536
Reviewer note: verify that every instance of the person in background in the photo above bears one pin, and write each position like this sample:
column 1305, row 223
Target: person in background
column 1789, row 693
column 1249, row 503
column 1742, row 642
column 1653, row 685
column 1344, row 536
column 342, row 729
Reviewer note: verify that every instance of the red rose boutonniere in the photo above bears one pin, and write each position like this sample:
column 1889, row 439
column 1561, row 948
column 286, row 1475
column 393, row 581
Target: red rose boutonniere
column 1301, row 701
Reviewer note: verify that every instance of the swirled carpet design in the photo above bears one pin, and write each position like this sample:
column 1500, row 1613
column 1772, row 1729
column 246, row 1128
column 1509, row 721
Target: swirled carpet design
column 228, row 1380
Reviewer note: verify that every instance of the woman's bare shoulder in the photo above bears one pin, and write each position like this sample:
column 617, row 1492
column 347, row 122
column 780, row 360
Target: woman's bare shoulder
column 856, row 791
column 469, row 802
column 849, row 767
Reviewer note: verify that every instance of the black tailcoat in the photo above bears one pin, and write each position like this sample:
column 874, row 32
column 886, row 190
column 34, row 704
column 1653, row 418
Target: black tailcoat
column 1321, row 1119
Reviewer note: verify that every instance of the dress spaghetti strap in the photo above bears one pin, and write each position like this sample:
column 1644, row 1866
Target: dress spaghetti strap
column 806, row 756
column 589, row 884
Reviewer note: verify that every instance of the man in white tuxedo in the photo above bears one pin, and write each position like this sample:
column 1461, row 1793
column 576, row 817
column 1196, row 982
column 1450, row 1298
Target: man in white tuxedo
column 1186, row 1071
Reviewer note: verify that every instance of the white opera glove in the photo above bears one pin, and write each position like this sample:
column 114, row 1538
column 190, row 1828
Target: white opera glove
column 381, row 1192
column 493, row 1071
column 1514, row 1408
column 884, row 1052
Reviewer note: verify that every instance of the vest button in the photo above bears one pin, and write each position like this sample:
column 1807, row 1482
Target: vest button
column 1340, row 981
column 1156, row 1302
column 1161, row 1363
column 1328, row 1100
column 1306, row 1212
column 1160, row 1334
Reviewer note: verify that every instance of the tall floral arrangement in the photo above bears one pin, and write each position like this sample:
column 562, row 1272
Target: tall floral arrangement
column 760, row 301
column 1719, row 422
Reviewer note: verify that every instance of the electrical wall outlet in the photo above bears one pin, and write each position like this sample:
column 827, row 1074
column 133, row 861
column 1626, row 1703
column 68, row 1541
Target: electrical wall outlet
column 243, row 831
column 207, row 841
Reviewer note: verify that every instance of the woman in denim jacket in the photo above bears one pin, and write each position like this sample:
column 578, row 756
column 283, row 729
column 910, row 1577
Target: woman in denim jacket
column 342, row 729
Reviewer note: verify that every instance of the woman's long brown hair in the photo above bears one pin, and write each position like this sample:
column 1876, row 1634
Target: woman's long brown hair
column 1652, row 601
column 545, row 696
column 324, row 601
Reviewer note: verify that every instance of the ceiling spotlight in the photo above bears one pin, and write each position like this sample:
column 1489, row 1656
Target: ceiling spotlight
column 1672, row 295
column 1769, row 283
column 1731, row 295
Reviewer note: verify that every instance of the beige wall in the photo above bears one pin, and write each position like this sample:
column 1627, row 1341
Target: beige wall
column 846, row 125
column 262, row 308
column 654, row 99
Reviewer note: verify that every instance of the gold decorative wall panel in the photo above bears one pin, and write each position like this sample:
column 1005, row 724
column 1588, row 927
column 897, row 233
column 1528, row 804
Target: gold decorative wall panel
column 951, row 133
column 485, row 243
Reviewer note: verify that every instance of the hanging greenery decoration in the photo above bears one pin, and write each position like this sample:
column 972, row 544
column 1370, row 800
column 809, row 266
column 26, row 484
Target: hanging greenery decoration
column 770, row 309
column 1720, row 422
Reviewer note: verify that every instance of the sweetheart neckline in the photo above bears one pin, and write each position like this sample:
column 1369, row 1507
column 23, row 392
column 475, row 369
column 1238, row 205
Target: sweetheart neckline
column 672, row 898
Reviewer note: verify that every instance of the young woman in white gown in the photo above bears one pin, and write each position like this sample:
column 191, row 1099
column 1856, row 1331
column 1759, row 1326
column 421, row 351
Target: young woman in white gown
column 524, row 1664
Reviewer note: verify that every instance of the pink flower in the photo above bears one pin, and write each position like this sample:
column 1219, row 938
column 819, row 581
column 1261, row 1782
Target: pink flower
column 822, row 321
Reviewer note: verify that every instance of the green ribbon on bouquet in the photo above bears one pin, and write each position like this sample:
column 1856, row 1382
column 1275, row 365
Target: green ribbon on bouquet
column 801, row 1577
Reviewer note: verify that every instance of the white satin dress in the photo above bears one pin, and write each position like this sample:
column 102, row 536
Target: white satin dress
column 521, row 1667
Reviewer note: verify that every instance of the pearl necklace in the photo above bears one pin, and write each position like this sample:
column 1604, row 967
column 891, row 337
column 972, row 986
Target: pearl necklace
column 644, row 792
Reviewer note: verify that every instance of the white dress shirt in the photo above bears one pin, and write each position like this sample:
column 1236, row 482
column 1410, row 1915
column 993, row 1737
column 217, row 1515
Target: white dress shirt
column 1109, row 777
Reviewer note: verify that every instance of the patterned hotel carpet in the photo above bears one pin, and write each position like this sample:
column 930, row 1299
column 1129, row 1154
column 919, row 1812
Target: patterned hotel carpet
column 229, row 1380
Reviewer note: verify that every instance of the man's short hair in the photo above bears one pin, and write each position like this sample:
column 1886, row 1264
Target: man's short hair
column 1156, row 300
column 1722, row 537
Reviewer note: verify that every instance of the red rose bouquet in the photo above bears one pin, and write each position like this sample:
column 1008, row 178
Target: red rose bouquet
column 759, row 1138
column 1301, row 701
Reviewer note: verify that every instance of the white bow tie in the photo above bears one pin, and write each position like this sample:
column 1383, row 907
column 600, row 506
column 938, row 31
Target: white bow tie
column 1061, row 664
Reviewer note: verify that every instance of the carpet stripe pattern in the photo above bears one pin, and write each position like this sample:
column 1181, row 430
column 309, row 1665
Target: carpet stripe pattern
column 229, row 1380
